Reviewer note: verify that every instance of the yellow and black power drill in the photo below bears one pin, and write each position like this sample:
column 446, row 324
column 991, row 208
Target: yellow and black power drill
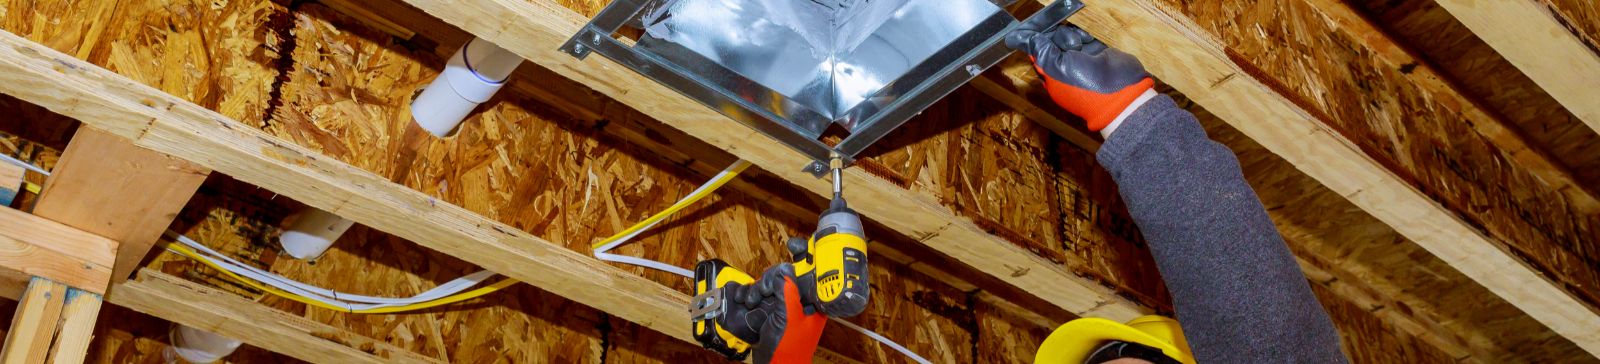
column 735, row 314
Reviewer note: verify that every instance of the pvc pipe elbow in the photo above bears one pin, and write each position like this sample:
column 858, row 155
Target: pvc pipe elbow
column 312, row 233
column 196, row 346
column 472, row 76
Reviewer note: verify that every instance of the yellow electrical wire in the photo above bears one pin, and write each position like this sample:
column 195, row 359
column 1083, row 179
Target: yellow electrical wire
column 737, row 168
column 734, row 171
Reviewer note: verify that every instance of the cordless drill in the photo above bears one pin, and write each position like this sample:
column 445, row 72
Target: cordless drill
column 733, row 313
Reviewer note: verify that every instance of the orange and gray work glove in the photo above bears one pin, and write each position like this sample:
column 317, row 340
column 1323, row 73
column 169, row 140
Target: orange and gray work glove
column 777, row 323
column 1081, row 74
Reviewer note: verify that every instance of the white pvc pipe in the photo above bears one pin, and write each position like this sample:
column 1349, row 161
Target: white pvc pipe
column 473, row 75
column 197, row 346
column 313, row 232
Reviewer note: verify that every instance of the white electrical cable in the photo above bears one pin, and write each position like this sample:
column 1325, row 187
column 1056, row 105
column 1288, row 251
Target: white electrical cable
column 27, row 165
column 602, row 254
column 340, row 299
column 881, row 339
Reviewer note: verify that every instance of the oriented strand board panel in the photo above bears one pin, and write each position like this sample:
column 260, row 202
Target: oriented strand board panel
column 1004, row 335
column 1325, row 72
column 210, row 53
column 1367, row 340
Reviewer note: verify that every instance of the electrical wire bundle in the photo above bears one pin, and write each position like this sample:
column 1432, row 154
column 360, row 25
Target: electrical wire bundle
column 447, row 293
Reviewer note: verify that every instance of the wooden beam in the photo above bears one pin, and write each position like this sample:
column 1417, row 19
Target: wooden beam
column 1512, row 143
column 33, row 326
column 109, row 187
column 31, row 246
column 194, row 305
column 1192, row 60
column 77, row 327
column 164, row 123
column 1532, row 37
column 535, row 29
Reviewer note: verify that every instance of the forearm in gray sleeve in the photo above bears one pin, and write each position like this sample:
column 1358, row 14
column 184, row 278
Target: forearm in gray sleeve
column 1237, row 290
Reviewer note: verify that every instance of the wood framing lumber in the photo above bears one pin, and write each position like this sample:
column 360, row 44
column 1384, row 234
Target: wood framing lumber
column 535, row 29
column 33, row 326
column 1532, row 158
column 109, row 187
column 1181, row 54
column 32, row 246
column 77, row 327
column 195, row 305
column 164, row 123
column 1528, row 35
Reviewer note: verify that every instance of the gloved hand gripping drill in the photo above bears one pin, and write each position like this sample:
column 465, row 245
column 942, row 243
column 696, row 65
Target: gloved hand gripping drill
column 781, row 316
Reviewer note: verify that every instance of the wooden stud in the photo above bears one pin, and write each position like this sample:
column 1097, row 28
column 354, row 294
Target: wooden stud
column 33, row 327
column 1526, row 33
column 107, row 186
column 77, row 327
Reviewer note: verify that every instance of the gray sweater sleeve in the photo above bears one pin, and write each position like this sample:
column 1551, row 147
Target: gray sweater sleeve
column 1237, row 290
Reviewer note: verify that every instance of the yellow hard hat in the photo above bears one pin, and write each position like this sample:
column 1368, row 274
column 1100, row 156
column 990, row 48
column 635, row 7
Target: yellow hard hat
column 1073, row 342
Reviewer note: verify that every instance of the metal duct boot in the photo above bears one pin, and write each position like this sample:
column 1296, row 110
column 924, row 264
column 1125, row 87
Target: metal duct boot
column 790, row 68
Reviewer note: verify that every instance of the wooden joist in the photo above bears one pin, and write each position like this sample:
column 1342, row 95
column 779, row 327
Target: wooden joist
column 195, row 305
column 32, row 246
column 1194, row 61
column 536, row 29
column 109, row 187
column 1532, row 37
